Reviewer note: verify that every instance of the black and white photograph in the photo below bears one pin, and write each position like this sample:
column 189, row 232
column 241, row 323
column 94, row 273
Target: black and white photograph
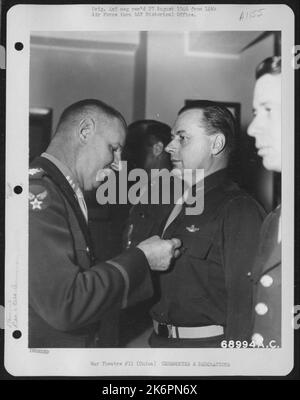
column 153, row 228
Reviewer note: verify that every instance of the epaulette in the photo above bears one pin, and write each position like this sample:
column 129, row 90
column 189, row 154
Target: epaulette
column 39, row 196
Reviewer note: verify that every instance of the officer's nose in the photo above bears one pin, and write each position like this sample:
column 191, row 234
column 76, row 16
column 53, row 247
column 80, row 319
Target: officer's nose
column 254, row 128
column 172, row 147
column 117, row 164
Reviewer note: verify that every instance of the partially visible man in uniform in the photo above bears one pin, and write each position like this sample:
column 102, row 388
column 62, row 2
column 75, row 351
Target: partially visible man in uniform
column 266, row 129
column 73, row 298
column 206, row 295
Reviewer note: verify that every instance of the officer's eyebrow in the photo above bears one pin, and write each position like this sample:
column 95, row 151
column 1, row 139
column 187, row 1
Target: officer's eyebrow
column 264, row 103
column 177, row 133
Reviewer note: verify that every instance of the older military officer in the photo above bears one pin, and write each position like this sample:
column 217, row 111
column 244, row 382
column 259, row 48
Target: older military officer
column 73, row 298
column 266, row 129
column 206, row 295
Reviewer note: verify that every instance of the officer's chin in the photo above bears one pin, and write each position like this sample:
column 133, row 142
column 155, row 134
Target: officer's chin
column 177, row 170
column 272, row 163
column 102, row 175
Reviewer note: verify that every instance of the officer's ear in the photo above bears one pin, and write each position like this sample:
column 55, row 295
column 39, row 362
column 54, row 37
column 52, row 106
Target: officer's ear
column 218, row 143
column 86, row 129
column 157, row 149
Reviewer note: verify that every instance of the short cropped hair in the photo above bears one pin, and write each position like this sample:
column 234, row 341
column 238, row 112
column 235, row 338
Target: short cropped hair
column 217, row 118
column 82, row 106
column 142, row 135
column 271, row 65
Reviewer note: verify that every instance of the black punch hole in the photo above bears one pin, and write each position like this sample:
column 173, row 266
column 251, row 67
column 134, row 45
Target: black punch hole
column 17, row 334
column 19, row 46
column 18, row 189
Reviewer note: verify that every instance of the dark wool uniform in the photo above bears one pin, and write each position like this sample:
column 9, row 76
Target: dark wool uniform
column 267, row 285
column 209, row 285
column 144, row 221
column 74, row 300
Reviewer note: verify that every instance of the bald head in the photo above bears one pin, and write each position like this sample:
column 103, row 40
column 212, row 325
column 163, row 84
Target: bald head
column 89, row 136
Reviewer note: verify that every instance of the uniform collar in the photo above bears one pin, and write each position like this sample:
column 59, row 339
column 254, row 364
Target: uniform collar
column 215, row 179
column 208, row 183
column 64, row 170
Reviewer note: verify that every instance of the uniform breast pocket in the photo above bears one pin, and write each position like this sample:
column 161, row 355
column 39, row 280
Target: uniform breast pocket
column 195, row 265
column 197, row 246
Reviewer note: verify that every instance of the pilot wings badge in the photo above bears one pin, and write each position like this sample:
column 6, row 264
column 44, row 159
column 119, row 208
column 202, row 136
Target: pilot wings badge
column 38, row 201
column 192, row 228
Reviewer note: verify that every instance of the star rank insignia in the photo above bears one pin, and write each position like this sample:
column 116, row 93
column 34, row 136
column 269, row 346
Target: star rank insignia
column 39, row 198
column 192, row 228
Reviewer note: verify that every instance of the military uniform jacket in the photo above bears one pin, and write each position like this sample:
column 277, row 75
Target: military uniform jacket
column 73, row 298
column 209, row 284
column 267, row 285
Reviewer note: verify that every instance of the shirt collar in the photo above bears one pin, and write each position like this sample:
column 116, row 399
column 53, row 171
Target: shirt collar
column 215, row 179
column 64, row 170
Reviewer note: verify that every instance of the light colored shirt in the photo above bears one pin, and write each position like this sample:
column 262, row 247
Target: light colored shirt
column 72, row 181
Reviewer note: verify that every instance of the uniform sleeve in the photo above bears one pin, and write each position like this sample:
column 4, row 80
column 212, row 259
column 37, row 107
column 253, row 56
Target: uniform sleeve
column 65, row 295
column 242, row 223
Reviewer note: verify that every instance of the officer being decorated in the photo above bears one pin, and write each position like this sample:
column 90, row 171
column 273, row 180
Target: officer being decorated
column 74, row 299
column 206, row 295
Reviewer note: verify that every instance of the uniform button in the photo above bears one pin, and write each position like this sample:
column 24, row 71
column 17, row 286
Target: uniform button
column 266, row 280
column 88, row 249
column 249, row 273
column 258, row 339
column 261, row 308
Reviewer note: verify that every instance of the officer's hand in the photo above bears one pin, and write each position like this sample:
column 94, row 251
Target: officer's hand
column 160, row 253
